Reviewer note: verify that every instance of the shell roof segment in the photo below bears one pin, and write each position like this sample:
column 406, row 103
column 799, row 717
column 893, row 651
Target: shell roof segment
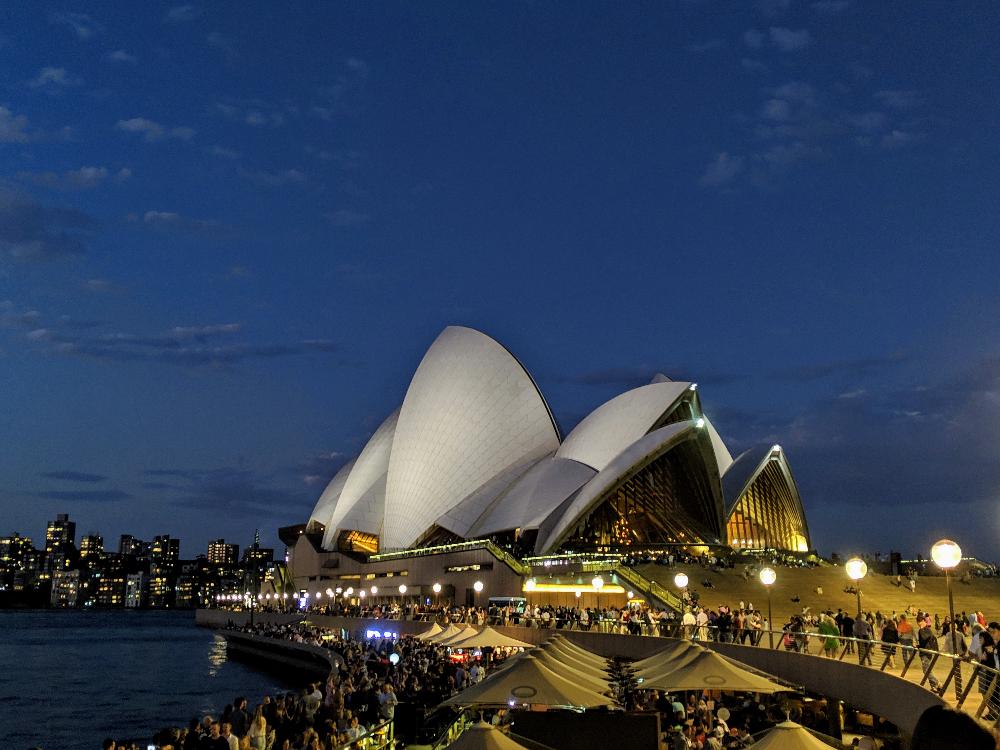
column 327, row 503
column 362, row 501
column 535, row 495
column 655, row 443
column 470, row 413
column 616, row 424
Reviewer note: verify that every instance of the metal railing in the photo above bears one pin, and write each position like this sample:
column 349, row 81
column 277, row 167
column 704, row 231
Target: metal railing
column 465, row 719
column 961, row 681
column 650, row 588
column 379, row 737
column 499, row 553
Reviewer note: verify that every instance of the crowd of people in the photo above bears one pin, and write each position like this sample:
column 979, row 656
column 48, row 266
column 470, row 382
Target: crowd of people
column 350, row 709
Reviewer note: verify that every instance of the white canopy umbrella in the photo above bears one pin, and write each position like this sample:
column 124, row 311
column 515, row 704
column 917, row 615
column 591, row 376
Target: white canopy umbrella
column 656, row 662
column 581, row 654
column 483, row 736
column 450, row 633
column 432, row 631
column 790, row 736
column 528, row 681
column 587, row 677
column 708, row 670
column 579, row 663
column 486, row 637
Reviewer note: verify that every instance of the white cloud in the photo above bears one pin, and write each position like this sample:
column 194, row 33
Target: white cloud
column 773, row 7
column 12, row 127
column 173, row 221
column 900, row 139
column 277, row 178
column 98, row 286
column 120, row 55
column 721, row 170
column 150, row 130
column 224, row 153
column 153, row 131
column 785, row 155
column 776, row 109
column 83, row 178
column 898, row 98
column 789, row 40
column 50, row 77
column 796, row 91
column 182, row 14
column 83, row 25
column 829, row 6
column 857, row 393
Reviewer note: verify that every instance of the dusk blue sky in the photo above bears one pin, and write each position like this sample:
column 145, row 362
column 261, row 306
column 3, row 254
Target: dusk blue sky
column 228, row 233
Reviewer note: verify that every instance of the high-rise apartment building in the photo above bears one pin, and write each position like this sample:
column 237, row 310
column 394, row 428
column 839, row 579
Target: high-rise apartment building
column 129, row 545
column 164, row 555
column 220, row 553
column 60, row 534
column 65, row 588
column 92, row 547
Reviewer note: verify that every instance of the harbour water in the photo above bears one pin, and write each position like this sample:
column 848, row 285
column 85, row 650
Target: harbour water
column 68, row 679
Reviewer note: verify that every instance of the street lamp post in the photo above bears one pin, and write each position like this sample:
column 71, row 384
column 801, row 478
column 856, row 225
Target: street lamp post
column 477, row 587
column 768, row 577
column 856, row 570
column 681, row 582
column 597, row 583
column 436, row 588
column 946, row 555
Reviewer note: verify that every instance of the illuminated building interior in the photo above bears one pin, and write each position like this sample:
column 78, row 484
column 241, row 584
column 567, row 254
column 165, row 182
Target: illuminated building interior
column 767, row 513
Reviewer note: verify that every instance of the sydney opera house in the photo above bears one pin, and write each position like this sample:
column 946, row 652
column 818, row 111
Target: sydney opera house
column 474, row 453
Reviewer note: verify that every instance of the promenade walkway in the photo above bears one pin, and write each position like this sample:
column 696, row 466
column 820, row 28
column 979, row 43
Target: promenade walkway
column 906, row 681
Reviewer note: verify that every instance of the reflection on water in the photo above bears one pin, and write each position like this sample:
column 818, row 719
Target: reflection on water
column 216, row 655
column 70, row 679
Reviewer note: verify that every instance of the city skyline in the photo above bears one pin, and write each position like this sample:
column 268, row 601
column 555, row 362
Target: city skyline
column 227, row 235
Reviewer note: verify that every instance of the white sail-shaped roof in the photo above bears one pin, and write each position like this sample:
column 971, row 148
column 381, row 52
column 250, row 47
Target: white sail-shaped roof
column 722, row 455
column 471, row 412
column 616, row 424
column 463, row 517
column 362, row 501
column 534, row 496
column 327, row 502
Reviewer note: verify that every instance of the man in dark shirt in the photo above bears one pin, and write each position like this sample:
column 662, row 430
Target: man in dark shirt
column 847, row 629
column 239, row 718
column 214, row 739
column 927, row 641
column 988, row 660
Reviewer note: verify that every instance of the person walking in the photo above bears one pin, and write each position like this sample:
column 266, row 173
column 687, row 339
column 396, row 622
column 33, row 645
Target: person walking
column 906, row 638
column 953, row 642
column 863, row 633
column 926, row 642
column 890, row 639
column 990, row 661
column 828, row 628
